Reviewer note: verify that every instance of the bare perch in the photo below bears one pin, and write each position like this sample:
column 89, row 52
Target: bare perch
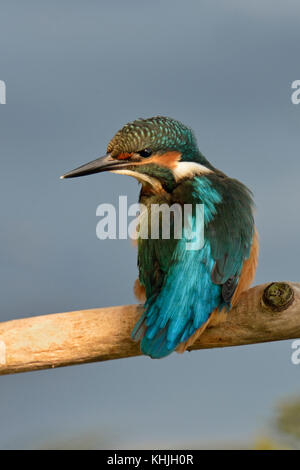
column 268, row 312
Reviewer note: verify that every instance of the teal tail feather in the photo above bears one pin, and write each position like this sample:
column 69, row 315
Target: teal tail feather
column 156, row 347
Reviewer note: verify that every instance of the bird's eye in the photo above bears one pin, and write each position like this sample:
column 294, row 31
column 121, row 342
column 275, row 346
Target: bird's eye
column 145, row 153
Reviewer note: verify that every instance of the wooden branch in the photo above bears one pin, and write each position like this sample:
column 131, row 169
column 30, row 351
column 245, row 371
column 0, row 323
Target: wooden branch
column 269, row 312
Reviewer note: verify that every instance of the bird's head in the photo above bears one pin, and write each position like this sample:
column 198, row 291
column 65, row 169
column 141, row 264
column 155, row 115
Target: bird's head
column 158, row 151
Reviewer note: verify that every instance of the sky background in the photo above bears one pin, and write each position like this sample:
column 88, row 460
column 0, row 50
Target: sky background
column 75, row 73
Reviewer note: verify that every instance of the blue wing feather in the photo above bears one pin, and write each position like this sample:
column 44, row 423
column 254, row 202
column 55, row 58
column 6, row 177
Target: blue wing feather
column 181, row 307
column 183, row 287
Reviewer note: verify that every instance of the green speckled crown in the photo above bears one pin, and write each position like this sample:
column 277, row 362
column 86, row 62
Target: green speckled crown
column 158, row 133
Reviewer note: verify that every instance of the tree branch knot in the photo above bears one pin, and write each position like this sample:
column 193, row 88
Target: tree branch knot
column 277, row 296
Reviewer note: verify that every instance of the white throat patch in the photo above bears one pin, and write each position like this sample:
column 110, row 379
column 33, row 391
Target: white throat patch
column 189, row 169
column 142, row 178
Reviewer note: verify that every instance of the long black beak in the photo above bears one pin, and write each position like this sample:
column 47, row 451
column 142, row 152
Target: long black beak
column 105, row 163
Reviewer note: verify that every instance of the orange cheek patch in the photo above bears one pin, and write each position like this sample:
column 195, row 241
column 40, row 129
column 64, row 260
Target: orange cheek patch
column 168, row 159
column 124, row 156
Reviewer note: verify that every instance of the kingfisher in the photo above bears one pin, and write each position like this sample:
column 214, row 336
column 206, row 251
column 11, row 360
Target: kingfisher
column 183, row 291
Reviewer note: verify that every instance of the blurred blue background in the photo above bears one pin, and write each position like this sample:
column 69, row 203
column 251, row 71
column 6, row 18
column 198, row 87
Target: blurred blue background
column 75, row 73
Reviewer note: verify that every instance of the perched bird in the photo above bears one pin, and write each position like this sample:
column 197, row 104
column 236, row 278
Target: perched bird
column 185, row 290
